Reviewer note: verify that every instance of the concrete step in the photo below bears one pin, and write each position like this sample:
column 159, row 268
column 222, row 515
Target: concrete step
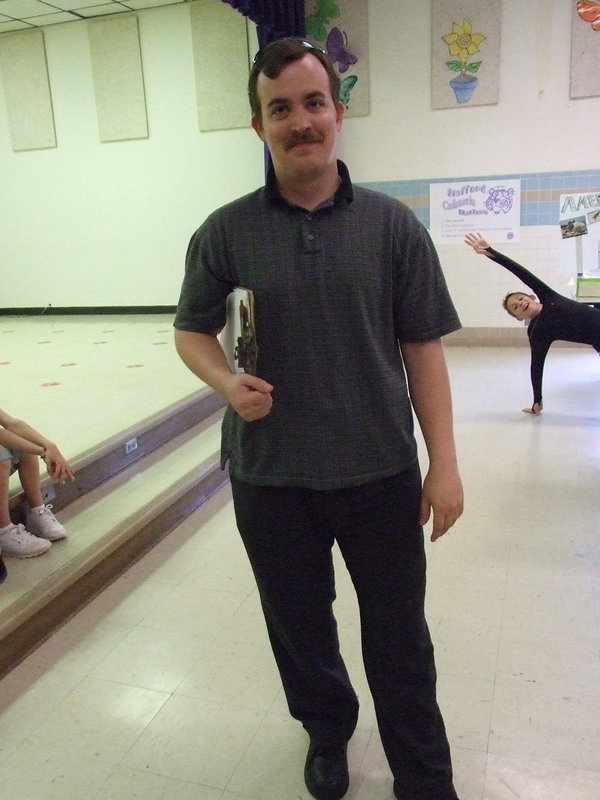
column 118, row 508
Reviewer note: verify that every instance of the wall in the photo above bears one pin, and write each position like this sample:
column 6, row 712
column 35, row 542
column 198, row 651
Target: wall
column 535, row 132
column 107, row 224
column 104, row 224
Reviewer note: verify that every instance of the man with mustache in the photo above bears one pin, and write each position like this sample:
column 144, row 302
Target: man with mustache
column 350, row 304
column 550, row 316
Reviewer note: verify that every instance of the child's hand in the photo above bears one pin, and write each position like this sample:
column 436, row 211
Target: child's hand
column 477, row 242
column 58, row 467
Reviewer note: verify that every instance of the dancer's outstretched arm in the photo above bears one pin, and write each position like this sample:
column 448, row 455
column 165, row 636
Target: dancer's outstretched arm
column 483, row 247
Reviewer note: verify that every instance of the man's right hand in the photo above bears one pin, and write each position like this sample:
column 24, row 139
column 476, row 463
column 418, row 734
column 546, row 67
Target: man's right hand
column 250, row 396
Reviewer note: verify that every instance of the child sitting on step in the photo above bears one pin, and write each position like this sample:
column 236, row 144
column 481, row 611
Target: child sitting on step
column 20, row 448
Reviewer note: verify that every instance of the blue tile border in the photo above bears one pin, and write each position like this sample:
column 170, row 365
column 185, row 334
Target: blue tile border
column 534, row 211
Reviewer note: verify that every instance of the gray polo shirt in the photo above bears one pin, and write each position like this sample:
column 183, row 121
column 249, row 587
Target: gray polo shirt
column 335, row 290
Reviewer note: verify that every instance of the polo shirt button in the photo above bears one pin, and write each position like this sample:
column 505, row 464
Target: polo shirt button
column 310, row 237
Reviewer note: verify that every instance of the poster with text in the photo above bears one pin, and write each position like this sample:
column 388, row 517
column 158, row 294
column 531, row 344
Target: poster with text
column 489, row 207
column 579, row 219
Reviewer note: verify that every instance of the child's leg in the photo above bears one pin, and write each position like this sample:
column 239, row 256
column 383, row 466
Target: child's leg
column 29, row 473
column 5, row 467
column 39, row 519
column 14, row 539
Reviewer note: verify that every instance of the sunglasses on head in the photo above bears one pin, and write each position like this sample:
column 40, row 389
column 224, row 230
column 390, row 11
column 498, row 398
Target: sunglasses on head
column 308, row 46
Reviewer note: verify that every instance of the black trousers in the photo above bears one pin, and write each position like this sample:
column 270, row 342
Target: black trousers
column 288, row 534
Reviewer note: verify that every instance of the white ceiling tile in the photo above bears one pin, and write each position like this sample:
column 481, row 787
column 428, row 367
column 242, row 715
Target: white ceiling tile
column 74, row 5
column 52, row 19
column 102, row 10
column 15, row 25
column 139, row 4
column 20, row 14
column 20, row 9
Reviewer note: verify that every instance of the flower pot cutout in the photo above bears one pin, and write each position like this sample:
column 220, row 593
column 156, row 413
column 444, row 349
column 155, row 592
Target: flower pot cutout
column 463, row 44
column 463, row 86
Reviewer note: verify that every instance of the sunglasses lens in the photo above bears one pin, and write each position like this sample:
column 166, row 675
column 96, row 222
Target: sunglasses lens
column 307, row 46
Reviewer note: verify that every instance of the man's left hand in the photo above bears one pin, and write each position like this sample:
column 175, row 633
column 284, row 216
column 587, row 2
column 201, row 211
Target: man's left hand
column 443, row 494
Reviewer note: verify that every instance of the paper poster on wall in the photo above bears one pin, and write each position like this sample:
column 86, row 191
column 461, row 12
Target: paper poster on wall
column 465, row 53
column 580, row 232
column 492, row 208
column 341, row 29
column 585, row 49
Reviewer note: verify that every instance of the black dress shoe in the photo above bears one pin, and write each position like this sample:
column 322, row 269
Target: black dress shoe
column 443, row 792
column 326, row 771
column 2, row 570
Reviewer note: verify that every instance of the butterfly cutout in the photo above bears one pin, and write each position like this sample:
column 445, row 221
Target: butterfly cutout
column 336, row 50
column 590, row 12
column 346, row 87
column 316, row 23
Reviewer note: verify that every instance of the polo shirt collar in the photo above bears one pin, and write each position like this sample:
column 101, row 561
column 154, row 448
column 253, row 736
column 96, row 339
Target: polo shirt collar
column 344, row 192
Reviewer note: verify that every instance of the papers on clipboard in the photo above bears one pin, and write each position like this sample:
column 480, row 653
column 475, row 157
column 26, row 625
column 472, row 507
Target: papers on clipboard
column 238, row 337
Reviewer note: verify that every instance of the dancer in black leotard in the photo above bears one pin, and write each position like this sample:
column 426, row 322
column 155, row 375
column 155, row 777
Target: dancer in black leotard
column 551, row 316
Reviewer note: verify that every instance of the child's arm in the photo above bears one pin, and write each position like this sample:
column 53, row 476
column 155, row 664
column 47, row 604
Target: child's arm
column 481, row 246
column 18, row 435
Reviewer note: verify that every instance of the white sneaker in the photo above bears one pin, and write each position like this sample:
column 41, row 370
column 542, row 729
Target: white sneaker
column 42, row 522
column 18, row 542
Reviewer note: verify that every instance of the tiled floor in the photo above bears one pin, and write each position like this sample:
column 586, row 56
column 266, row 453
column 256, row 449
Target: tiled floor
column 164, row 687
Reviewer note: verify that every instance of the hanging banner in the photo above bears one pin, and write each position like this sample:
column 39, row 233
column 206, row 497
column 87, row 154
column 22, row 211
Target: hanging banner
column 492, row 208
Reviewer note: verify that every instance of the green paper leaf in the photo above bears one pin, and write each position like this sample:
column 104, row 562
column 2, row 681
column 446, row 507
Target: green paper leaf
column 473, row 67
column 346, row 87
column 327, row 8
column 316, row 29
column 455, row 66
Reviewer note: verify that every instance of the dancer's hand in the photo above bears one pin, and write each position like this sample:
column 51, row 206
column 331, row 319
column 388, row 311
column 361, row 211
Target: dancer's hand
column 477, row 242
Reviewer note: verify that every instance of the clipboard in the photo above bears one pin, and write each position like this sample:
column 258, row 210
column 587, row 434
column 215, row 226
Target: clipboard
column 238, row 337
